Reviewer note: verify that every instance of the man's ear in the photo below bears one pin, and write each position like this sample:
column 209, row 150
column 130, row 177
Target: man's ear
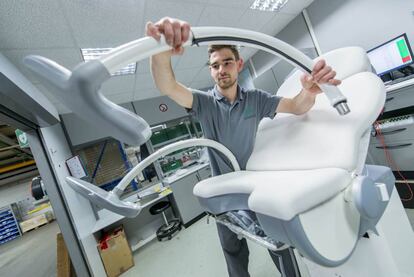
column 240, row 64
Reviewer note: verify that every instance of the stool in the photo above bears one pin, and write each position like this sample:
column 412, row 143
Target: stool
column 168, row 229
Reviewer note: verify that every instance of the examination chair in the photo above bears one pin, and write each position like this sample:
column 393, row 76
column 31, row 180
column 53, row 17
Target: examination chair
column 306, row 180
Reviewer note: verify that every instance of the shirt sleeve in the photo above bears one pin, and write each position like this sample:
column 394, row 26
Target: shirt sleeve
column 267, row 104
column 200, row 99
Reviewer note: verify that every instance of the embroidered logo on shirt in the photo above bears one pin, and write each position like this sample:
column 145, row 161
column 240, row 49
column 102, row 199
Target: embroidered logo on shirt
column 248, row 112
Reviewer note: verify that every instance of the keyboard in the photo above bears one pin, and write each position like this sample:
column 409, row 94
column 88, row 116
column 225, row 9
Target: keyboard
column 399, row 80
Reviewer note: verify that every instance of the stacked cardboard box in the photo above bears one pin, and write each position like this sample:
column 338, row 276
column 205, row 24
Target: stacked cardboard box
column 115, row 252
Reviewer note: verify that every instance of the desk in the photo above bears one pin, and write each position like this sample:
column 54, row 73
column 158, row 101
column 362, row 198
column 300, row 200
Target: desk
column 398, row 86
column 399, row 140
column 107, row 217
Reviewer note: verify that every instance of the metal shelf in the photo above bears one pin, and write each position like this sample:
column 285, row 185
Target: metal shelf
column 9, row 228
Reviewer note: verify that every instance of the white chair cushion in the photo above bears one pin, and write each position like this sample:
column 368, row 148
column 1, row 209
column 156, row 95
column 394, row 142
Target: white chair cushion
column 279, row 194
column 321, row 138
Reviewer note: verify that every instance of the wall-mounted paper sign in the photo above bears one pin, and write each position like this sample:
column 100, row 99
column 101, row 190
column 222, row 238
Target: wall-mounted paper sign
column 75, row 167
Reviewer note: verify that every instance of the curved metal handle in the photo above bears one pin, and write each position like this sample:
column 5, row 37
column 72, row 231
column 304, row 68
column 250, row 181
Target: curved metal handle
column 148, row 46
column 119, row 189
column 111, row 200
column 80, row 90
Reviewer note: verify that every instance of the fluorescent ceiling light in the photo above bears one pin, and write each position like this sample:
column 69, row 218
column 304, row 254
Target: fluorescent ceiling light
column 94, row 53
column 268, row 5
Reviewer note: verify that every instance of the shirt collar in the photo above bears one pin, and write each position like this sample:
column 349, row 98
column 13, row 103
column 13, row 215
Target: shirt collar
column 218, row 96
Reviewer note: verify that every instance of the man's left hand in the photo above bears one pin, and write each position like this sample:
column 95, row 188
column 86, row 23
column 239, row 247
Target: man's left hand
column 321, row 74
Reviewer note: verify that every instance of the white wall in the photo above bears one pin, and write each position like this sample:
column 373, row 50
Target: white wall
column 365, row 23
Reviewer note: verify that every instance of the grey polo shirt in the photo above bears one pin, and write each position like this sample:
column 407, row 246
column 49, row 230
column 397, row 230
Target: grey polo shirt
column 233, row 125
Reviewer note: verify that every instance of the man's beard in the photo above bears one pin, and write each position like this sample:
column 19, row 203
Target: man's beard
column 226, row 85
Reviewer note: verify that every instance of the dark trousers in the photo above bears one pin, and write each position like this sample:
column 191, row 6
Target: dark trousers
column 236, row 253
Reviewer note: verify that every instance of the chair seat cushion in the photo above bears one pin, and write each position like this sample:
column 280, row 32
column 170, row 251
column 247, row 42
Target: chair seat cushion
column 280, row 194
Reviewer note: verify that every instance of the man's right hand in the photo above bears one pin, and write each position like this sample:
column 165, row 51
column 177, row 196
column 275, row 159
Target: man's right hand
column 176, row 32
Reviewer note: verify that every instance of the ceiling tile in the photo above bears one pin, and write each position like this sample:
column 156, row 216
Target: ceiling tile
column 245, row 4
column 295, row 7
column 277, row 23
column 68, row 58
column 105, row 23
column 120, row 98
column 186, row 76
column 33, row 24
column 247, row 53
column 254, row 19
column 193, row 57
column 220, row 16
column 145, row 94
column 118, row 84
column 157, row 9
column 143, row 65
column 144, row 81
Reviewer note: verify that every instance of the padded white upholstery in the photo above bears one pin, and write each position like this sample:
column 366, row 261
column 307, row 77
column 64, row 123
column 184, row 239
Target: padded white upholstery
column 298, row 162
column 282, row 195
column 321, row 137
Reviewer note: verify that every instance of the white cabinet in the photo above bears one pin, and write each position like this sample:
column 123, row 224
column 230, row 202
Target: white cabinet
column 186, row 203
column 398, row 141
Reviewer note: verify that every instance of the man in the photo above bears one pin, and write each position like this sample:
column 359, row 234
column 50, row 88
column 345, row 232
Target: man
column 230, row 115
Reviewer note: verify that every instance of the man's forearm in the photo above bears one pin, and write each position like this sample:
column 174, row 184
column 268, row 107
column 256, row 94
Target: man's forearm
column 303, row 102
column 162, row 72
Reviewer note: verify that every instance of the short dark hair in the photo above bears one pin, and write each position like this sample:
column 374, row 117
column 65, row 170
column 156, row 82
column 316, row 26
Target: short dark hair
column 217, row 47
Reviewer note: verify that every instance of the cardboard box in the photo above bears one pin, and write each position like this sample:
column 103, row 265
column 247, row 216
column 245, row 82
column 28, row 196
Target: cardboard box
column 64, row 267
column 115, row 252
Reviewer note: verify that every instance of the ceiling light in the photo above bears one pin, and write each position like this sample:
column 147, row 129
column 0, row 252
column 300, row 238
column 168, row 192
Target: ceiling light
column 94, row 53
column 268, row 5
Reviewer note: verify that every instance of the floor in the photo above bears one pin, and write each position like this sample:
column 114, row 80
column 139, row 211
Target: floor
column 34, row 254
column 193, row 252
column 196, row 252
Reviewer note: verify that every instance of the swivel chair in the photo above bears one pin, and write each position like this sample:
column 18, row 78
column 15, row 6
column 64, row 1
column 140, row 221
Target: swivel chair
column 169, row 228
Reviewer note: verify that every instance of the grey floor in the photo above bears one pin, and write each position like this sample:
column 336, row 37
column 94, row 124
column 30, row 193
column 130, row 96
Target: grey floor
column 194, row 252
column 34, row 254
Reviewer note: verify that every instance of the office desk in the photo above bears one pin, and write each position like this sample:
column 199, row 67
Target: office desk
column 399, row 140
column 397, row 86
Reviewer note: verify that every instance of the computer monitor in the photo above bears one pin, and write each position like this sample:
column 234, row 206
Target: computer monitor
column 391, row 55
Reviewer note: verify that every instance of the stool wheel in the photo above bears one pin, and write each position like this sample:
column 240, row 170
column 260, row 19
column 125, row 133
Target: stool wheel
column 168, row 231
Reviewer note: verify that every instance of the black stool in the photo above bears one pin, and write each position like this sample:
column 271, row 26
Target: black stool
column 168, row 229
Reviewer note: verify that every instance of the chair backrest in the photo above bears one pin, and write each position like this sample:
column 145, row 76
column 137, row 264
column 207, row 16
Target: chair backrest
column 322, row 138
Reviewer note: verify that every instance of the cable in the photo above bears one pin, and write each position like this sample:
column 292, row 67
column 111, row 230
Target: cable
column 391, row 162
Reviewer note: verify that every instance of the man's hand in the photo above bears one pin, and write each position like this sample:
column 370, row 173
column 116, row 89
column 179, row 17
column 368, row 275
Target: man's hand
column 321, row 74
column 176, row 32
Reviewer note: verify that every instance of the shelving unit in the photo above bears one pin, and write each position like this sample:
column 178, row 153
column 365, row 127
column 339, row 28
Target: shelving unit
column 9, row 228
